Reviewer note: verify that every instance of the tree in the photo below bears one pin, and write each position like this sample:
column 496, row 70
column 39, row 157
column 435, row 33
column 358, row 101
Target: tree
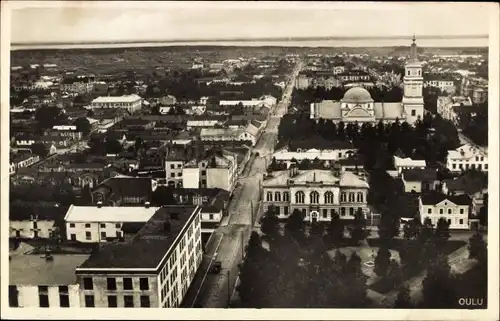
column 357, row 229
column 442, row 232
column 483, row 212
column 394, row 273
column 90, row 113
column 477, row 248
column 389, row 226
column 48, row 117
column 356, row 281
column 139, row 143
column 40, row 150
column 335, row 230
column 270, row 223
column 426, row 231
column 411, row 229
column 295, row 224
column 382, row 261
column 113, row 146
column 83, row 125
column 439, row 290
column 403, row 300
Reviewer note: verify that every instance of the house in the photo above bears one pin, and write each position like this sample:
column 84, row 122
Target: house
column 34, row 222
column 130, row 103
column 420, row 180
column 473, row 184
column 319, row 194
column 453, row 208
column 38, row 282
column 123, row 190
column 408, row 163
column 466, row 157
column 167, row 250
column 328, row 156
column 20, row 160
column 168, row 100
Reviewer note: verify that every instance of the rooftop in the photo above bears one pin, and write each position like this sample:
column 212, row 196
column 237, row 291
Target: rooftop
column 436, row 198
column 149, row 247
column 35, row 270
column 109, row 214
column 418, row 175
column 117, row 99
column 282, row 178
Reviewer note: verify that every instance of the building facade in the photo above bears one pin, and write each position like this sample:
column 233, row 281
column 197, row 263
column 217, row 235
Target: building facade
column 319, row 194
column 466, row 157
column 154, row 269
column 454, row 209
column 131, row 103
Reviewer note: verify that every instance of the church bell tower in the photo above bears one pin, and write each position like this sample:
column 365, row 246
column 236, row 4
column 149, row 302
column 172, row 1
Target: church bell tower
column 413, row 100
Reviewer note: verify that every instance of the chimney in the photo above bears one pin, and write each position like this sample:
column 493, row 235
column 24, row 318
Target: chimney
column 166, row 226
column 147, row 204
column 99, row 204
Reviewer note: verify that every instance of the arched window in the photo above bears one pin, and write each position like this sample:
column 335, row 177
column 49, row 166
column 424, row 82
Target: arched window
column 342, row 211
column 351, row 197
column 269, row 197
column 343, row 197
column 351, row 211
column 328, row 197
column 314, row 197
column 286, row 197
column 300, row 197
column 277, row 197
column 360, row 198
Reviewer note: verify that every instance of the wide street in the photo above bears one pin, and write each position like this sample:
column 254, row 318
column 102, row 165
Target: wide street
column 235, row 229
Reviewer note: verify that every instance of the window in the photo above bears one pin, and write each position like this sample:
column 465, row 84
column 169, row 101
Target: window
column 35, row 225
column 360, row 197
column 441, row 211
column 299, row 197
column 413, row 112
column 119, row 235
column 117, row 225
column 111, row 282
column 449, row 211
column 429, row 211
column 71, row 224
column 179, row 165
column 172, row 166
column 88, row 235
column 103, row 235
column 454, row 166
column 87, row 225
column 103, row 225
column 461, row 221
column 112, row 301
column 144, row 283
column 461, row 166
column 127, row 284
column 325, row 213
column 286, row 197
column 89, row 301
column 269, row 197
column 351, row 211
column 145, row 301
column 314, row 197
column 88, row 284
column 408, row 72
column 485, row 166
column 461, row 211
column 285, row 210
column 64, row 300
column 328, row 197
column 342, row 211
column 351, row 197
column 43, row 297
column 203, row 172
column 13, row 296
column 128, row 301
column 343, row 197
column 172, row 174
column 179, row 174
column 73, row 237
column 277, row 197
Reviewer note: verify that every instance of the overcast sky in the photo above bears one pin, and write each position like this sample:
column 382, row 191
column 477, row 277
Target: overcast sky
column 114, row 21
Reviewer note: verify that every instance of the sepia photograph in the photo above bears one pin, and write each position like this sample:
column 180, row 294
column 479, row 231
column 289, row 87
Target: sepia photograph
column 248, row 157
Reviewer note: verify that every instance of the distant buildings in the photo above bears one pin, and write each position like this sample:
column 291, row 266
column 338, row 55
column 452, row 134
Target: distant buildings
column 451, row 107
column 466, row 157
column 417, row 180
column 131, row 103
column 78, row 85
column 328, row 157
column 264, row 101
column 438, row 81
column 153, row 269
column 407, row 163
column 319, row 194
column 453, row 208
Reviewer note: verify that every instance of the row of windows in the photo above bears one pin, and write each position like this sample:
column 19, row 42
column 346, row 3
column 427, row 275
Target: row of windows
column 328, row 197
column 456, row 221
column 88, row 284
column 467, row 166
column 128, row 301
column 43, row 296
column 102, row 225
column 88, row 235
column 325, row 212
column 441, row 211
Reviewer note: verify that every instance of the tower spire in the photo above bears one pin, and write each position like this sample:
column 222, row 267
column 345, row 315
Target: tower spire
column 414, row 38
column 413, row 50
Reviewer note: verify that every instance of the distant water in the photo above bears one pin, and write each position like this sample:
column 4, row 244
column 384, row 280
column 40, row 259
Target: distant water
column 360, row 42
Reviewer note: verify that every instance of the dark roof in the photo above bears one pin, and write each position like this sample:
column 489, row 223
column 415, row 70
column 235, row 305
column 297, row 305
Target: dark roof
column 467, row 183
column 354, row 160
column 20, row 211
column 435, row 198
column 418, row 174
column 149, row 246
column 127, row 186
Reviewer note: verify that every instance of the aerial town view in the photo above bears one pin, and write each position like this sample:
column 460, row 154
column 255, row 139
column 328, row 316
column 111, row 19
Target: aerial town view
column 339, row 174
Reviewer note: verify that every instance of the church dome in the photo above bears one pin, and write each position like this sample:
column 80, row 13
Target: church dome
column 357, row 95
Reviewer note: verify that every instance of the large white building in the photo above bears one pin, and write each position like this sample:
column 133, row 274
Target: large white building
column 453, row 208
column 131, row 103
column 357, row 104
column 466, row 157
column 328, row 156
column 154, row 269
column 317, row 193
column 96, row 224
column 401, row 163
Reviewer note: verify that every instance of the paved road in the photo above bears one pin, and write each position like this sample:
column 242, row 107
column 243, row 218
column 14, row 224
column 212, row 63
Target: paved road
column 243, row 208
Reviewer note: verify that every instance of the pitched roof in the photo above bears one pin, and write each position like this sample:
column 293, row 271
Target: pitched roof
column 281, row 178
column 418, row 174
column 127, row 186
column 435, row 198
column 468, row 183
column 117, row 214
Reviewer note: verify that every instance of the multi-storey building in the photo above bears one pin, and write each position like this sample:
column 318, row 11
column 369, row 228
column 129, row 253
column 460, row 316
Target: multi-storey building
column 319, row 194
column 131, row 103
column 437, row 81
column 466, row 157
column 407, row 163
column 154, row 269
column 453, row 208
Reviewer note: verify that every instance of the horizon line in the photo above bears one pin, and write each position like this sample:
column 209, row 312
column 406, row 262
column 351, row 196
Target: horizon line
column 303, row 38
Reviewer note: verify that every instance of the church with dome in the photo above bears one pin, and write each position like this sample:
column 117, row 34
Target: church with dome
column 357, row 104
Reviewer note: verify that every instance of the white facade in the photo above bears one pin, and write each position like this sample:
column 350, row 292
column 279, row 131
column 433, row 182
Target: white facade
column 131, row 103
column 31, row 228
column 329, row 156
column 95, row 224
column 466, row 157
column 457, row 215
column 28, row 296
column 413, row 100
column 447, row 86
column 191, row 177
column 407, row 163
column 78, row 87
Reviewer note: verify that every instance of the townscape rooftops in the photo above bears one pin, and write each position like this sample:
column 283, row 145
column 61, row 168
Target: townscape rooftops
column 148, row 247
column 126, row 186
column 117, row 99
column 398, row 161
column 419, row 175
column 467, row 183
column 35, row 270
column 464, row 152
column 282, row 178
column 436, row 198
